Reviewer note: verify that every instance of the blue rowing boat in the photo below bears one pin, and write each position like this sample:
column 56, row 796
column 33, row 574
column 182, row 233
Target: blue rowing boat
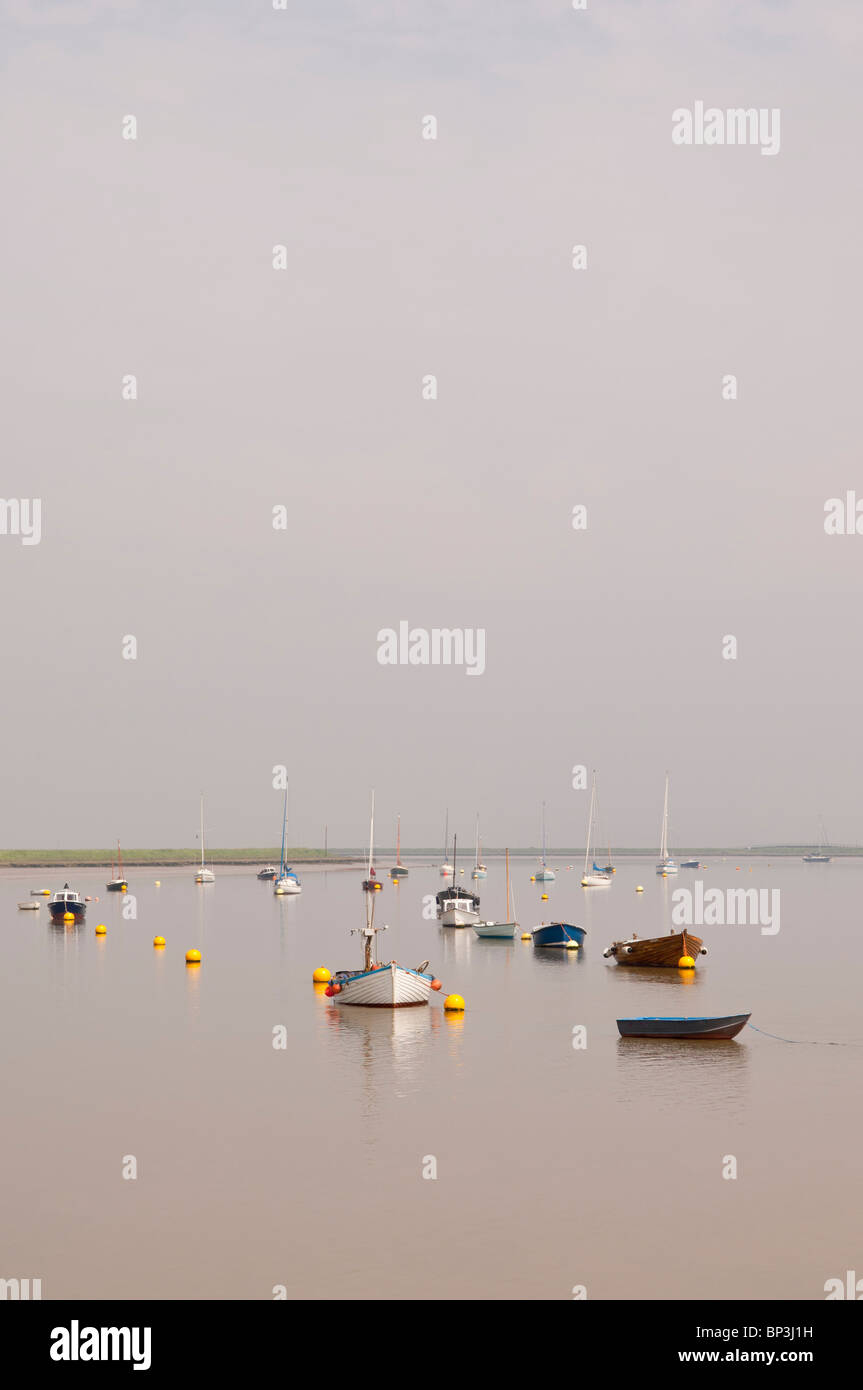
column 719, row 1028
column 558, row 934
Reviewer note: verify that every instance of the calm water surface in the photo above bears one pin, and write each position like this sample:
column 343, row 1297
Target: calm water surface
column 303, row 1167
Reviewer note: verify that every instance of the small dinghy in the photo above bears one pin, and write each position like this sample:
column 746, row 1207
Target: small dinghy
column 705, row 1029
column 499, row 931
column 561, row 934
column 29, row 907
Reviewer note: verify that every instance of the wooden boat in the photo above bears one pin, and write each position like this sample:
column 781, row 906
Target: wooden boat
column 204, row 875
column 667, row 863
column 544, row 874
column 66, row 901
column 561, row 934
column 380, row 985
column 398, row 870
column 657, row 950
column 285, row 883
column 499, row 930
column 705, row 1029
column 593, row 877
column 117, row 884
column 371, row 883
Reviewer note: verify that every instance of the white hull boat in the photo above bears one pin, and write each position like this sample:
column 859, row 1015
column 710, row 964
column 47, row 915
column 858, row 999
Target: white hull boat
column 667, row 863
column 502, row 930
column 459, row 917
column 389, row 986
column 287, row 887
column 286, row 883
column 204, row 875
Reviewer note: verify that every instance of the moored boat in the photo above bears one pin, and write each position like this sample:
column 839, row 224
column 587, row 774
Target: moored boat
column 456, row 906
column 544, row 874
column 117, row 884
column 690, row 864
column 499, row 930
column 398, row 870
column 593, row 877
column 667, row 951
column 285, row 882
column 267, row 873
column 667, row 863
column 204, row 875
column 66, row 901
column 446, row 867
column 371, row 883
column 380, row 985
column 560, row 934
column 718, row 1028
column 29, row 907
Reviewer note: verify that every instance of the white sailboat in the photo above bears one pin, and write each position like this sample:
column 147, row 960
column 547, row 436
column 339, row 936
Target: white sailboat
column 446, row 867
column 371, row 883
column 204, row 875
column 399, row 870
column 593, row 876
column 286, row 882
column 457, row 907
column 544, row 874
column 505, row 929
column 479, row 869
column 667, row 863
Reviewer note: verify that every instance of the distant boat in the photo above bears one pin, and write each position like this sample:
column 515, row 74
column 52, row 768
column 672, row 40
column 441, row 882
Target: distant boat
column 479, row 869
column 667, row 864
column 818, row 857
column 204, row 875
column 398, row 870
column 544, row 874
column 705, row 1029
column 561, row 934
column 29, row 907
column 457, row 907
column 118, row 884
column 665, row 951
column 380, row 986
column 594, row 877
column 499, row 929
column 286, row 882
column 66, row 901
column 267, row 873
column 690, row 864
column 446, row 866
column 372, row 884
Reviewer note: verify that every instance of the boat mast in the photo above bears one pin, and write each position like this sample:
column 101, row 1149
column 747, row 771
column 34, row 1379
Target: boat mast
column 446, row 835
column 590, row 822
column 543, row 834
column 663, row 848
column 398, row 842
column 284, row 835
column 476, row 844
column 372, row 836
column 508, row 918
column 119, row 861
column 202, row 830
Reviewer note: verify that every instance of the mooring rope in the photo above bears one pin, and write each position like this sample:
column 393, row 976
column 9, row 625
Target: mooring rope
column 806, row 1042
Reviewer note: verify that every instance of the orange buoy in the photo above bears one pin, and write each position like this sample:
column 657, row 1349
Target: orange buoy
column 435, row 984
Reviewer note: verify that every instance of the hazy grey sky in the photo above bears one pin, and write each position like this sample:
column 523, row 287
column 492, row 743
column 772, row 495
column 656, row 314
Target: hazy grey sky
column 407, row 257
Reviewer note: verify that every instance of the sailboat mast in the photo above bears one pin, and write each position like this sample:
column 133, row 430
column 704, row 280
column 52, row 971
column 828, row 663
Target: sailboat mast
column 398, row 841
column 590, row 821
column 508, row 918
column 663, row 849
column 372, row 836
column 284, row 835
column 202, row 830
column 543, row 834
column 119, row 861
column 476, row 843
column 446, row 835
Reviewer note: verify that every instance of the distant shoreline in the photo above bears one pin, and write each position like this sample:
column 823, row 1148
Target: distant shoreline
column 256, row 858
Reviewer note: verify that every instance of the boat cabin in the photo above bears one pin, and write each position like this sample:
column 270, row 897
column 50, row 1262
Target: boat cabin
column 456, row 897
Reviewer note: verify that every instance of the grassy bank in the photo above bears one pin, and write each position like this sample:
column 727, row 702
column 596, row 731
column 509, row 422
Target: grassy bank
column 163, row 858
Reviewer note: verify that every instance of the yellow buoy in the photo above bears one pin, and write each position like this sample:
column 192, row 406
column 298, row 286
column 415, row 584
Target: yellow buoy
column 526, row 936
column 158, row 883
column 533, row 878
column 545, row 897
column 193, row 957
column 322, row 975
column 454, row 1003
column 101, row 930
column 68, row 916
column 158, row 940
column 686, row 963
column 639, row 889
column 46, row 892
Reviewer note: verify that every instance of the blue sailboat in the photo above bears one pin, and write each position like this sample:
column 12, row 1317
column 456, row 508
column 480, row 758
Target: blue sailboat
column 286, row 881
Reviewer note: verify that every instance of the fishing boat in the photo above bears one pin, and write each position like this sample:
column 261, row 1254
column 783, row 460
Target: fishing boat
column 667, row 864
column 479, row 870
column 286, row 881
column 398, row 870
column 707, row 1029
column 372, row 884
column 118, row 884
column 690, row 864
column 593, row 877
column 378, row 985
column 65, row 901
column 204, row 875
column 446, row 866
column 544, row 874
column 667, row 951
column 29, row 907
column 818, row 856
column 456, row 906
column 561, row 934
column 267, row 873
column 499, row 929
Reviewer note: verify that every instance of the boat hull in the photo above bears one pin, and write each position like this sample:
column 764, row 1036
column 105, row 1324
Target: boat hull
column 399, row 871
column 499, row 930
column 287, row 887
column 561, row 934
column 267, row 875
column 385, row 987
column 545, row 876
column 718, row 1029
column 596, row 881
column 205, row 876
column 59, row 910
column 459, row 917
column 662, row 951
column 117, row 885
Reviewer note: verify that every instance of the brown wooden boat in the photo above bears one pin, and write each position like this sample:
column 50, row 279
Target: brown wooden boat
column 657, row 950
